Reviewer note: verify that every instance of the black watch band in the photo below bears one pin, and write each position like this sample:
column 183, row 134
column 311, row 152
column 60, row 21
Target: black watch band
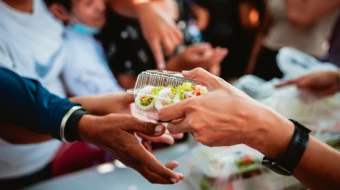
column 296, row 148
column 71, row 128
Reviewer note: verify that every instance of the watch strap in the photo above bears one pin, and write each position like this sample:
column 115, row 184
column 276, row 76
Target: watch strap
column 296, row 148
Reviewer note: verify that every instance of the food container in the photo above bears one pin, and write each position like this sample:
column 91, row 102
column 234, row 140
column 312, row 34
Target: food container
column 155, row 89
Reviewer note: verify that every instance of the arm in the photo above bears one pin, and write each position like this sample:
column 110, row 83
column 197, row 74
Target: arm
column 26, row 103
column 320, row 84
column 159, row 29
column 306, row 12
column 226, row 116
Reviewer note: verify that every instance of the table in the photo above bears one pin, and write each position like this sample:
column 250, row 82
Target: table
column 119, row 179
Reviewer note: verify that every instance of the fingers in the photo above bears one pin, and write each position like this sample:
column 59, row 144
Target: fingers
column 129, row 98
column 146, row 128
column 178, row 35
column 169, row 45
column 286, row 83
column 172, row 165
column 200, row 48
column 203, row 77
column 178, row 136
column 147, row 145
column 174, row 111
column 179, row 126
column 220, row 54
column 156, row 49
column 165, row 138
column 153, row 170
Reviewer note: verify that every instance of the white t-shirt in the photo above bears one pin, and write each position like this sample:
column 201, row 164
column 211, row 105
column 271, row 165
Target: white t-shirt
column 86, row 69
column 31, row 45
column 311, row 39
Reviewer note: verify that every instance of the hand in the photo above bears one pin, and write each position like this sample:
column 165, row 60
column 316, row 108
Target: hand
column 202, row 16
column 147, row 140
column 106, row 104
column 321, row 83
column 116, row 134
column 159, row 30
column 201, row 55
column 226, row 116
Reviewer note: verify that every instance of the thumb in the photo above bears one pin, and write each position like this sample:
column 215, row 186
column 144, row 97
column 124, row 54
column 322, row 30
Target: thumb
column 203, row 77
column 147, row 128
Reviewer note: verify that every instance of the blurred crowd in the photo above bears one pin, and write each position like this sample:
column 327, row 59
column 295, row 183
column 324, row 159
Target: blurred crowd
column 95, row 47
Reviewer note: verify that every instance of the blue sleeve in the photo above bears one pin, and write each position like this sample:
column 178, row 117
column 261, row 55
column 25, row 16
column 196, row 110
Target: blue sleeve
column 24, row 102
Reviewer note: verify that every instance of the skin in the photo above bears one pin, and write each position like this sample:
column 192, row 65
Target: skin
column 158, row 27
column 96, row 105
column 91, row 13
column 226, row 116
column 116, row 134
column 304, row 13
column 200, row 55
column 202, row 16
column 320, row 84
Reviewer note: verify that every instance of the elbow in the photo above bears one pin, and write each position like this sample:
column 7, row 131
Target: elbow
column 300, row 18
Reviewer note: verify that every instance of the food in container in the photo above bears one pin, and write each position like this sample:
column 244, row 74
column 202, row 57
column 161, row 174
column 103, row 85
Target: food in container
column 156, row 89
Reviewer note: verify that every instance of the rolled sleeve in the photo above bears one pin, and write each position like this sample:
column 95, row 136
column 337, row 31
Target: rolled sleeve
column 24, row 102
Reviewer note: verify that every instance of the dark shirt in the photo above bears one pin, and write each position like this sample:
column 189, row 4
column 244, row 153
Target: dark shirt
column 24, row 102
column 334, row 50
column 126, row 48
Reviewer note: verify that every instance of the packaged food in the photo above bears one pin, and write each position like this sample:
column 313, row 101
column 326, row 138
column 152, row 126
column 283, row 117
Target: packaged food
column 155, row 89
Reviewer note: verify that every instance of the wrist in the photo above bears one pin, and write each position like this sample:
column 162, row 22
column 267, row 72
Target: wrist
column 85, row 127
column 142, row 7
column 273, row 134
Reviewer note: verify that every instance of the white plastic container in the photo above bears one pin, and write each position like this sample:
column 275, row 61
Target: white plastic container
column 155, row 89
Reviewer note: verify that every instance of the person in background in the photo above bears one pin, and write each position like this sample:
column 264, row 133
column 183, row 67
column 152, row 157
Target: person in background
column 129, row 53
column 304, row 25
column 25, row 103
column 36, row 51
column 233, row 25
column 226, row 116
column 86, row 71
column 321, row 84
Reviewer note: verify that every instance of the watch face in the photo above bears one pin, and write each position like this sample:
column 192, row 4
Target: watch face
column 275, row 167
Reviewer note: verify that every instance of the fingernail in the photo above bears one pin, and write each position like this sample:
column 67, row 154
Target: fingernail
column 161, row 66
column 174, row 180
column 185, row 72
column 159, row 129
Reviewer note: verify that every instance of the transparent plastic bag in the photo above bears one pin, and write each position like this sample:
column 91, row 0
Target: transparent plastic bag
column 294, row 63
column 155, row 89
column 229, row 168
column 321, row 115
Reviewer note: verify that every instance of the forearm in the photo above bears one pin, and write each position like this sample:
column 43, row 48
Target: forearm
column 319, row 161
column 25, row 103
column 93, row 104
column 319, row 167
column 306, row 12
column 128, row 8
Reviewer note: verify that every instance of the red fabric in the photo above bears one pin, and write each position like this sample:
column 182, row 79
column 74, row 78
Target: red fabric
column 77, row 156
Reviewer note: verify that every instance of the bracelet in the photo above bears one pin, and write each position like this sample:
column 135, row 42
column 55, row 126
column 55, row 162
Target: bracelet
column 65, row 120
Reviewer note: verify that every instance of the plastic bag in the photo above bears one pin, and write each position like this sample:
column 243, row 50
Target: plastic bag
column 322, row 116
column 229, row 168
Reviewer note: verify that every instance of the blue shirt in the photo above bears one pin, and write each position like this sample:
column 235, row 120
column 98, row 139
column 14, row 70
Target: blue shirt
column 24, row 102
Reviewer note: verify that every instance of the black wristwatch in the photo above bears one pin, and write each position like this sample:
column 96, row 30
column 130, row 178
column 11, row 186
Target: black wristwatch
column 296, row 148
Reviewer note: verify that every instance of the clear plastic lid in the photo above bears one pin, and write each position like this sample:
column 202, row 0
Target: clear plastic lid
column 155, row 89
